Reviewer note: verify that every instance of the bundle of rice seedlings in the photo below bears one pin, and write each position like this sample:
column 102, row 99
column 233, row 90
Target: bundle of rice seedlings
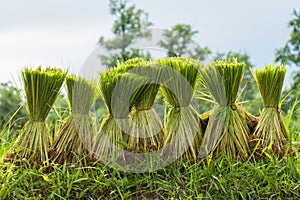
column 184, row 132
column 131, row 123
column 74, row 139
column 109, row 143
column 227, row 131
column 42, row 88
column 146, row 130
column 271, row 129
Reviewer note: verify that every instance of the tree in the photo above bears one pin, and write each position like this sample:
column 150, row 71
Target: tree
column 290, row 55
column 179, row 42
column 249, row 91
column 129, row 25
column 12, row 109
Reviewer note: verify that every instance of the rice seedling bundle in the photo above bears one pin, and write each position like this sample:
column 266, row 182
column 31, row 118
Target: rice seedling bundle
column 184, row 132
column 42, row 88
column 109, row 143
column 271, row 129
column 74, row 139
column 146, row 130
column 227, row 131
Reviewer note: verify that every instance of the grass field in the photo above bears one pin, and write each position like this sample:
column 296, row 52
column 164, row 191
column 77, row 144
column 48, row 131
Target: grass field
column 220, row 179
column 206, row 179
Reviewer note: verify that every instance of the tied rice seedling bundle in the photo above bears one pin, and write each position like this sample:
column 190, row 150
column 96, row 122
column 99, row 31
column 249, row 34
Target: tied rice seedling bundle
column 110, row 142
column 184, row 132
column 74, row 139
column 42, row 88
column 271, row 129
column 146, row 130
column 227, row 131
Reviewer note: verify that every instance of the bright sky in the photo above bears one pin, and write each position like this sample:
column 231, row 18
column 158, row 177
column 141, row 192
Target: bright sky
column 64, row 32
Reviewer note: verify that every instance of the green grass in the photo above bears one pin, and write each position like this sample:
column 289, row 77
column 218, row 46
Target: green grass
column 208, row 179
column 220, row 179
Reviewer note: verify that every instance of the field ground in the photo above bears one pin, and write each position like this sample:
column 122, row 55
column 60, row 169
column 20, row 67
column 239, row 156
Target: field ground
column 206, row 179
column 220, row 179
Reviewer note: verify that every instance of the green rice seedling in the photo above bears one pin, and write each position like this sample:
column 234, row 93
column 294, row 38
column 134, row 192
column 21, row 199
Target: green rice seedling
column 42, row 88
column 271, row 129
column 182, row 123
column 109, row 143
column 131, row 125
column 227, row 131
column 73, row 142
column 146, row 130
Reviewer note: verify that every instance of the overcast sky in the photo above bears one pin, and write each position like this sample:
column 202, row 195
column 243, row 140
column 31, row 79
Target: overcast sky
column 64, row 32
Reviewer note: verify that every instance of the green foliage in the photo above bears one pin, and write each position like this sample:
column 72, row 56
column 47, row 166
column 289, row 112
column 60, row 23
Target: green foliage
column 12, row 109
column 179, row 42
column 129, row 25
column 6, row 138
column 290, row 53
